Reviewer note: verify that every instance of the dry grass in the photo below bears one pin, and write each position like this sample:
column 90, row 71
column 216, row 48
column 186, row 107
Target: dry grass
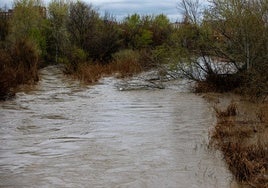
column 91, row 73
column 125, row 63
column 246, row 159
column 230, row 111
column 262, row 113
column 247, row 163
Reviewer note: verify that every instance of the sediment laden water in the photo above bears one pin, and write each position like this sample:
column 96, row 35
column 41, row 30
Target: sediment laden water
column 63, row 134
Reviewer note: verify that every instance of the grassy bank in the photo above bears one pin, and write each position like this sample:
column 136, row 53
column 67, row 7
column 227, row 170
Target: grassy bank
column 242, row 138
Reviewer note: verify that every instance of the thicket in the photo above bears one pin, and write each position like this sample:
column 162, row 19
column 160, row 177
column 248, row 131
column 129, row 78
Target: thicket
column 18, row 66
column 75, row 34
column 81, row 38
column 223, row 46
column 21, row 46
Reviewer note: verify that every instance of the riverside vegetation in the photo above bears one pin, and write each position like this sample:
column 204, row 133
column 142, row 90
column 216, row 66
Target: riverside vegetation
column 226, row 33
column 243, row 142
column 222, row 47
column 76, row 35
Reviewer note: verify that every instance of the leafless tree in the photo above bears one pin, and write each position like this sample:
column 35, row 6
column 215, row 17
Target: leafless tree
column 191, row 10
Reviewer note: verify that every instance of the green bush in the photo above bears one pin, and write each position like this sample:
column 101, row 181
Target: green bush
column 126, row 62
column 126, row 56
column 75, row 57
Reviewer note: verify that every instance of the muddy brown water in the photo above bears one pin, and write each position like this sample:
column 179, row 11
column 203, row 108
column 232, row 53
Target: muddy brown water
column 63, row 134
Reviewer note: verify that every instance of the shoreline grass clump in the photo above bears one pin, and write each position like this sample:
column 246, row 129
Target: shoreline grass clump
column 245, row 151
column 230, row 111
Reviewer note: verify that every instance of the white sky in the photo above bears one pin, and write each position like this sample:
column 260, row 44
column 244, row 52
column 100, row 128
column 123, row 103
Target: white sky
column 123, row 8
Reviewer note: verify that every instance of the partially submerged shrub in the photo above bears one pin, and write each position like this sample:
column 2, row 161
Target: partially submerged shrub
column 126, row 62
column 73, row 61
column 89, row 72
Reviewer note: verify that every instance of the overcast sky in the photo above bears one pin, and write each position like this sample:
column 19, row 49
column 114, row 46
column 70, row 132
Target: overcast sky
column 122, row 8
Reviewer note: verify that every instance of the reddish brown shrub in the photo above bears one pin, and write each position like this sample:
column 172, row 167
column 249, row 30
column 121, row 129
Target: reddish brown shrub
column 19, row 65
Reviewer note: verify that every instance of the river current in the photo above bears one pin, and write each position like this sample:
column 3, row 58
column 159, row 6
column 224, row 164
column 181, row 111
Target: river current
column 63, row 134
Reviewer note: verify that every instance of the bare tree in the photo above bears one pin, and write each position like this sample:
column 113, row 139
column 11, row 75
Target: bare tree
column 191, row 10
column 241, row 27
column 238, row 29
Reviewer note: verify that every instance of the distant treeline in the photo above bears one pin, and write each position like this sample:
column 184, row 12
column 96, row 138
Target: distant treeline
column 74, row 34
column 90, row 45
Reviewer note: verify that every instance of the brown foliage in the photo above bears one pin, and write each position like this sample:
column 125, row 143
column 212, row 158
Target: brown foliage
column 247, row 163
column 92, row 72
column 18, row 66
column 7, row 74
column 247, row 160
column 25, row 61
column 230, row 111
column 126, row 63
column 89, row 73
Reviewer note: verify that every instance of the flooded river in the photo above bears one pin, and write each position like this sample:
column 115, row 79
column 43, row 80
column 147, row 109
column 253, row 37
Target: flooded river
column 63, row 134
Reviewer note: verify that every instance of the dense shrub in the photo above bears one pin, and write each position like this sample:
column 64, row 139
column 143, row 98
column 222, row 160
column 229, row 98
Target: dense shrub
column 4, row 29
column 18, row 65
column 219, row 83
column 229, row 32
column 255, row 82
column 75, row 57
column 104, row 42
column 126, row 62
column 7, row 74
column 25, row 60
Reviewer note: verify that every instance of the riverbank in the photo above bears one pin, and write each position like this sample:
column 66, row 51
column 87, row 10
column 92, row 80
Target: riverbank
column 241, row 135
